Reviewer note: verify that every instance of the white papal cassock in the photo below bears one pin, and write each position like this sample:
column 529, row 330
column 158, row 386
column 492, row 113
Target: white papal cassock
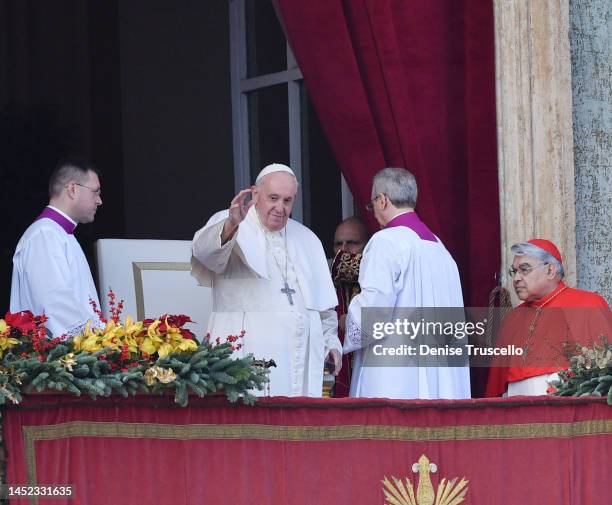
column 400, row 269
column 51, row 276
column 247, row 279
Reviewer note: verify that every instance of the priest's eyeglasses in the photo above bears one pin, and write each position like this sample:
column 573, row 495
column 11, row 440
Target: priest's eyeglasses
column 370, row 205
column 524, row 269
column 97, row 192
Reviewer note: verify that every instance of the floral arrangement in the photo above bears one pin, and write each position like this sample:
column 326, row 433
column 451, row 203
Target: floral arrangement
column 126, row 357
column 589, row 374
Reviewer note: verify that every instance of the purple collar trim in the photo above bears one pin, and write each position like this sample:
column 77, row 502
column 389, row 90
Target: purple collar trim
column 64, row 222
column 412, row 221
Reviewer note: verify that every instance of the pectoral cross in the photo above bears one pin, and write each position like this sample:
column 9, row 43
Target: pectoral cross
column 288, row 291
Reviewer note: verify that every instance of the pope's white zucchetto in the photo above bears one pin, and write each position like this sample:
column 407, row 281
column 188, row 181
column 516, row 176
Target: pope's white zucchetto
column 274, row 167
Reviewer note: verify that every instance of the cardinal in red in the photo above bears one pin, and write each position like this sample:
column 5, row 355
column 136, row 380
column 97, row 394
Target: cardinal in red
column 550, row 322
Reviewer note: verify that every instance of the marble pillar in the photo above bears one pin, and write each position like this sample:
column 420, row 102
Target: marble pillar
column 591, row 50
column 534, row 127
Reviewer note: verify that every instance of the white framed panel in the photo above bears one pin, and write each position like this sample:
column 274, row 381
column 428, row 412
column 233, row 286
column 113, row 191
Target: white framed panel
column 153, row 278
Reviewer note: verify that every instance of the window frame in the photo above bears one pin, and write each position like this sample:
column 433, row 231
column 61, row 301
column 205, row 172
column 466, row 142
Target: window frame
column 241, row 86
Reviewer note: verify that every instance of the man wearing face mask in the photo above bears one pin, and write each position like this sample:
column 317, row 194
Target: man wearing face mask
column 50, row 272
column 270, row 279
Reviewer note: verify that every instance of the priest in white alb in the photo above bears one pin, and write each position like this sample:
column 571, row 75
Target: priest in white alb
column 51, row 275
column 404, row 265
column 270, row 278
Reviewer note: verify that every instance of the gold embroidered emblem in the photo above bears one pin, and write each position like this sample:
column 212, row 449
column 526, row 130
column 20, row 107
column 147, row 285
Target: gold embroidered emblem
column 345, row 267
column 448, row 493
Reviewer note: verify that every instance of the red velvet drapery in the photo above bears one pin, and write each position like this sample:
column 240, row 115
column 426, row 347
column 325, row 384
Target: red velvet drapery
column 146, row 450
column 411, row 84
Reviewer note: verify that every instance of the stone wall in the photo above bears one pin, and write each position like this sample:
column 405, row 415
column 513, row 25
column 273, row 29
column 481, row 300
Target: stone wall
column 591, row 41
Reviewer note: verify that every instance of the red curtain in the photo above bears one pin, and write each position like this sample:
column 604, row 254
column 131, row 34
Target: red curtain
column 411, row 84
column 304, row 451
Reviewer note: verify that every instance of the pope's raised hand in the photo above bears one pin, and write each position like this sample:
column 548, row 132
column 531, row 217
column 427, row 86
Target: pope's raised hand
column 239, row 207
column 237, row 212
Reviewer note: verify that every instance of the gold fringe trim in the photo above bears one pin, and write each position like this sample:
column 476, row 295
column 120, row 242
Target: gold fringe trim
column 317, row 433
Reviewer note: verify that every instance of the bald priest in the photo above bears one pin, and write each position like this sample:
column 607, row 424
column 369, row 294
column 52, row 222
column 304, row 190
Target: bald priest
column 270, row 278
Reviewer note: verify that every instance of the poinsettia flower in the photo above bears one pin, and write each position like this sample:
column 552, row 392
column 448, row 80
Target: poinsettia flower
column 187, row 334
column 179, row 320
column 172, row 330
column 23, row 320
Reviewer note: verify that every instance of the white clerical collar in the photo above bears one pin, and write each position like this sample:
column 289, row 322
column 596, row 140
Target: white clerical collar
column 63, row 214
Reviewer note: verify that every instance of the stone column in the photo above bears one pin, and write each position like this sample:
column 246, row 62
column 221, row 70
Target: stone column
column 591, row 41
column 534, row 126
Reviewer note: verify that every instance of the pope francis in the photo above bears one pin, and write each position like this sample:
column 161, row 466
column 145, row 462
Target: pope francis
column 270, row 278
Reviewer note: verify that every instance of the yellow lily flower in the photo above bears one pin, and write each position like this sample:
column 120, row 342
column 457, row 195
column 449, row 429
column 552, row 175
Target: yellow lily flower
column 152, row 331
column 150, row 344
column 5, row 329
column 131, row 343
column 110, row 340
column 187, row 345
column 88, row 332
column 164, row 349
column 132, row 327
column 110, row 326
column 91, row 344
column 7, row 343
column 77, row 342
